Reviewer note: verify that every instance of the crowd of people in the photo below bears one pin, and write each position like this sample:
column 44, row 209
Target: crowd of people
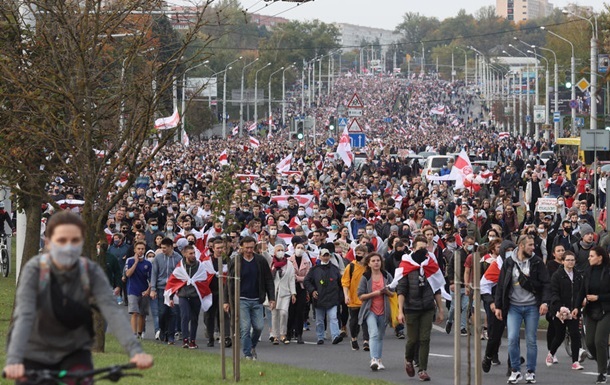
column 354, row 249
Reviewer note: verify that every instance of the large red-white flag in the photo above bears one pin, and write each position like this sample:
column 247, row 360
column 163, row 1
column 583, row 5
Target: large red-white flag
column 461, row 170
column 168, row 122
column 252, row 127
column 345, row 149
column 235, row 131
column 284, row 164
column 223, row 159
column 254, row 143
column 185, row 139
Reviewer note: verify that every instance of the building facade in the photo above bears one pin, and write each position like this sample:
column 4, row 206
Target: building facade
column 520, row 10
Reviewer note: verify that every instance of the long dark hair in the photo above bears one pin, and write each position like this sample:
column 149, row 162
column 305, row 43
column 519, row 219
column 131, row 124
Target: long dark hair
column 603, row 253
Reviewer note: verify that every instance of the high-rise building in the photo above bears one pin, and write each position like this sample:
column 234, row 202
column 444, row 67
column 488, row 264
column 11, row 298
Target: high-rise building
column 520, row 10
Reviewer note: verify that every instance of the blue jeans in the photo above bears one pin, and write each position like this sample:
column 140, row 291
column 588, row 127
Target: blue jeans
column 154, row 310
column 530, row 315
column 376, row 324
column 333, row 322
column 463, row 306
column 250, row 317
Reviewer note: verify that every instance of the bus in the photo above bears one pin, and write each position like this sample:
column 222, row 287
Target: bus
column 568, row 148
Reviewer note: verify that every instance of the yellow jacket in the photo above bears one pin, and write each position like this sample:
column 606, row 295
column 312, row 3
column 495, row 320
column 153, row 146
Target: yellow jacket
column 351, row 280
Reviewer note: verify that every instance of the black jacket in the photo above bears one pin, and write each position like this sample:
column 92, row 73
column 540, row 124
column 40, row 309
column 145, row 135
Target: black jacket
column 565, row 292
column 266, row 286
column 539, row 277
column 604, row 295
column 326, row 280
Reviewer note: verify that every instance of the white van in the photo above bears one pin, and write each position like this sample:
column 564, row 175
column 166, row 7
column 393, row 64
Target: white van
column 435, row 163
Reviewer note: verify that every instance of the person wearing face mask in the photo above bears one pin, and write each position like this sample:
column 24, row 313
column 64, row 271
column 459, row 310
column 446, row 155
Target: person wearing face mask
column 296, row 312
column 138, row 270
column 112, row 268
column 57, row 333
column 565, row 236
column 462, row 253
column 349, row 282
column 583, row 247
column 151, row 233
column 285, row 294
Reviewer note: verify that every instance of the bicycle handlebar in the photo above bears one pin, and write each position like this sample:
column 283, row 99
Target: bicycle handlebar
column 115, row 373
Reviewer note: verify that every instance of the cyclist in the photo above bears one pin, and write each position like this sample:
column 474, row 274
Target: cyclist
column 52, row 323
column 5, row 217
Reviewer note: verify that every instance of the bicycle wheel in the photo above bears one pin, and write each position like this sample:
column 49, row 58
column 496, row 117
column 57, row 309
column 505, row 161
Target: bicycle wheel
column 5, row 262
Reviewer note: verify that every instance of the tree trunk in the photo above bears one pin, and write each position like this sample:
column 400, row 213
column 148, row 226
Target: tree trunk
column 32, row 207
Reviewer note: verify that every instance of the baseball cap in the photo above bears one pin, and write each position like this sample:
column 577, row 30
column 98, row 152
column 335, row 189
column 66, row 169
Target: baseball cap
column 324, row 251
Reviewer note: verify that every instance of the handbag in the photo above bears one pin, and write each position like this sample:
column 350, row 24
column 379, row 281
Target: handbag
column 524, row 281
column 393, row 309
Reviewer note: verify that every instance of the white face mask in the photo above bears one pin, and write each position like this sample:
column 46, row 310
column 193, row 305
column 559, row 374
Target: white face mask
column 491, row 238
column 67, row 255
column 279, row 255
column 299, row 252
column 369, row 232
column 469, row 247
column 282, row 223
column 273, row 233
column 301, row 213
column 439, row 224
column 540, row 231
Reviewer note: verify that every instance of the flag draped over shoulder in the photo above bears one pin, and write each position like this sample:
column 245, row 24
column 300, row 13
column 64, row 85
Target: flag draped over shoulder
column 200, row 280
column 491, row 276
column 428, row 268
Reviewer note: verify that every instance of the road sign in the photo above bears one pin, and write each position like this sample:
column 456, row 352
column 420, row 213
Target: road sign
column 354, row 112
column 580, row 121
column 594, row 140
column 354, row 126
column 583, row 84
column 573, row 104
column 342, row 122
column 603, row 63
column 341, row 110
column 528, row 118
column 556, row 116
column 357, row 140
column 539, row 114
column 387, row 120
column 355, row 102
column 330, row 142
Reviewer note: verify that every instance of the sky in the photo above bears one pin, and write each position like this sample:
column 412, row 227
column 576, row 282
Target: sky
column 386, row 14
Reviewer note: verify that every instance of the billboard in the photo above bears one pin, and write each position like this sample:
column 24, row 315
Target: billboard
column 202, row 88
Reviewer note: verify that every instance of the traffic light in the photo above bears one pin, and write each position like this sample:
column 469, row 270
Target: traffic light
column 568, row 84
column 300, row 130
column 331, row 125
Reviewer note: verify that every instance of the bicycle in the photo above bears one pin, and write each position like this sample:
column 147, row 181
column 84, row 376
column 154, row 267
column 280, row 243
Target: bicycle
column 45, row 376
column 5, row 259
column 583, row 346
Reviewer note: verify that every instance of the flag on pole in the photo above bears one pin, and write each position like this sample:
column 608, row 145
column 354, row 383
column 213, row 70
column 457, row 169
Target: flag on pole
column 185, row 139
column 503, row 135
column 168, row 122
column 235, row 131
column 254, row 143
column 461, row 170
column 252, row 127
column 223, row 159
column 345, row 149
column 284, row 164
column 438, row 110
column 269, row 135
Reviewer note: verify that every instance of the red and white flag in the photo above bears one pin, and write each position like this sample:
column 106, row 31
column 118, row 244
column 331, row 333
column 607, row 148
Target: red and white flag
column 282, row 200
column 429, row 268
column 246, row 178
column 185, row 139
column 491, row 276
column 461, row 170
column 254, row 143
column 223, row 159
column 284, row 164
column 503, row 135
column 200, row 281
column 235, row 131
column 345, row 149
column 438, row 110
column 252, row 127
column 168, row 122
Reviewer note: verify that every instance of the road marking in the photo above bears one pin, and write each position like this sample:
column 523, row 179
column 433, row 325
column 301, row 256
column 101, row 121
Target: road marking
column 440, row 355
column 590, row 373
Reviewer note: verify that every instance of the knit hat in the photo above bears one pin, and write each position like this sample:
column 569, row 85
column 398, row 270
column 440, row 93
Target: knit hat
column 181, row 244
column 585, row 229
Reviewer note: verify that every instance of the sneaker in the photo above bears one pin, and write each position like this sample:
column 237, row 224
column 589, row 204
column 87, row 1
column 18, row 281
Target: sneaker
column 343, row 332
column 555, row 360
column 400, row 335
column 496, row 361
column 157, row 335
column 320, row 342
column 486, row 364
column 193, row 345
column 582, row 354
column 365, row 346
column 355, row 345
column 253, row 352
column 530, row 377
column 514, row 378
column 142, row 335
column 185, row 344
column 210, row 344
column 549, row 359
column 448, row 327
column 374, row 365
column 423, row 376
column 463, row 332
column 249, row 358
column 409, row 368
column 178, row 335
column 306, row 326
column 228, row 342
column 601, row 379
column 300, row 340
column 171, row 342
column 484, row 335
column 577, row 366
column 276, row 341
column 380, row 365
column 337, row 339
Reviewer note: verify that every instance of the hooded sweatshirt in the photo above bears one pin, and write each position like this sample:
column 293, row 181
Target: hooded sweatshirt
column 519, row 296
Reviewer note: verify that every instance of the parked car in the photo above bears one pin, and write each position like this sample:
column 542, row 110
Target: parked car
column 435, row 163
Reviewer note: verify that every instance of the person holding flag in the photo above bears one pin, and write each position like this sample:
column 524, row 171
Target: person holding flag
column 191, row 282
column 419, row 282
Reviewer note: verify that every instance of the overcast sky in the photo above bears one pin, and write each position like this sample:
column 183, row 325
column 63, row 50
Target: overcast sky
column 386, row 14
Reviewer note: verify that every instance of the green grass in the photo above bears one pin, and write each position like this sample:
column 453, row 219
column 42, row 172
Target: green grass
column 186, row 367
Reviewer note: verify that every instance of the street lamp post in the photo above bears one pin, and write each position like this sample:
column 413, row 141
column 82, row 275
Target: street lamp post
column 184, row 92
column 573, row 73
column 465, row 65
column 546, row 81
column 270, row 76
column 556, row 89
column 224, row 98
column 241, row 99
column 284, row 93
column 527, row 82
column 256, row 91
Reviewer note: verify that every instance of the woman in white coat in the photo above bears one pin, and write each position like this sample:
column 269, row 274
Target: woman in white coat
column 285, row 294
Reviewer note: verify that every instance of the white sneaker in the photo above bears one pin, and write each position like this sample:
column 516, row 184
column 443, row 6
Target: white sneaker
column 555, row 360
column 530, row 378
column 381, row 367
column 157, row 335
column 374, row 365
column 514, row 378
column 549, row 359
column 582, row 354
column 577, row 366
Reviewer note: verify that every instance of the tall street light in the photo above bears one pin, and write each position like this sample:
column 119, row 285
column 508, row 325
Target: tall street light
column 527, row 82
column 546, row 94
column 241, row 99
column 593, row 90
column 537, row 93
column 256, row 91
column 184, row 92
column 518, row 75
column 465, row 65
column 556, row 88
column 284, row 92
column 270, row 76
column 224, row 98
column 573, row 73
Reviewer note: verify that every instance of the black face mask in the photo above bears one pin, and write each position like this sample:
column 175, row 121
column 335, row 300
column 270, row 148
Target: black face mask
column 112, row 226
column 138, row 226
column 568, row 228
